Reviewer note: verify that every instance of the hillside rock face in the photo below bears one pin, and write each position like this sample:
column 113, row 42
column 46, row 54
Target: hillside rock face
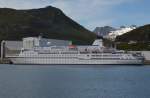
column 103, row 31
column 50, row 22
column 141, row 34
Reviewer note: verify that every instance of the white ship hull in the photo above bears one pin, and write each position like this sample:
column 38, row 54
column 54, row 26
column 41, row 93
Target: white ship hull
column 17, row 60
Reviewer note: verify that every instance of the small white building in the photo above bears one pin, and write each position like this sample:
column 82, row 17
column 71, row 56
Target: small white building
column 30, row 42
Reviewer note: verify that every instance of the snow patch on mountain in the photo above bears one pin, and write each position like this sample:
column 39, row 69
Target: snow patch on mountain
column 113, row 34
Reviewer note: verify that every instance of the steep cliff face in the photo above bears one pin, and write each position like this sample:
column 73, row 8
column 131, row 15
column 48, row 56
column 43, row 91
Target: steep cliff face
column 103, row 31
column 50, row 22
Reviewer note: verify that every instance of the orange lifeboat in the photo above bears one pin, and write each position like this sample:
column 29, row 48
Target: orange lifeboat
column 72, row 46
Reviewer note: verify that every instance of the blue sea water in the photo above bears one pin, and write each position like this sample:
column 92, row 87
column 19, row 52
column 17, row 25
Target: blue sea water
column 34, row 81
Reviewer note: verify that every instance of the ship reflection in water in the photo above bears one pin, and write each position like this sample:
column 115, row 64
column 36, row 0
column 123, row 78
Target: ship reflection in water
column 62, row 81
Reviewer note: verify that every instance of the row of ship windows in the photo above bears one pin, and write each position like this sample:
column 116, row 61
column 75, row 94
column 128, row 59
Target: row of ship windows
column 105, row 58
column 105, row 55
column 58, row 53
column 112, row 58
column 70, row 55
column 84, row 58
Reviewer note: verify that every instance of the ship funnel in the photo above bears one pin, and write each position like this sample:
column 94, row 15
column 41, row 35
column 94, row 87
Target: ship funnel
column 98, row 42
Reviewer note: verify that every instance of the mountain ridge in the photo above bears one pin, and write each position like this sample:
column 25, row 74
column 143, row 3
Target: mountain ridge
column 50, row 21
column 140, row 34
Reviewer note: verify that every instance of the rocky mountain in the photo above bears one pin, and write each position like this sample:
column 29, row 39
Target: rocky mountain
column 122, row 30
column 141, row 34
column 49, row 21
column 103, row 31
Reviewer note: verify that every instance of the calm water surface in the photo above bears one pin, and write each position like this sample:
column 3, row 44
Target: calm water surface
column 31, row 81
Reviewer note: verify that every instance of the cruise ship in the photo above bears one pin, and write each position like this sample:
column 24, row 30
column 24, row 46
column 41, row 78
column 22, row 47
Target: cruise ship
column 72, row 54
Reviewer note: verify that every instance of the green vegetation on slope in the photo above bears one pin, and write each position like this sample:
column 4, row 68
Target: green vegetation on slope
column 133, row 47
column 141, row 34
column 50, row 21
column 141, row 37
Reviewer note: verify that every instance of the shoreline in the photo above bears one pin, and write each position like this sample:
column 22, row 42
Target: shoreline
column 5, row 61
column 147, row 62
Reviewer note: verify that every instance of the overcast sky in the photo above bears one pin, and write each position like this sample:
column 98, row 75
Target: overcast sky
column 93, row 13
